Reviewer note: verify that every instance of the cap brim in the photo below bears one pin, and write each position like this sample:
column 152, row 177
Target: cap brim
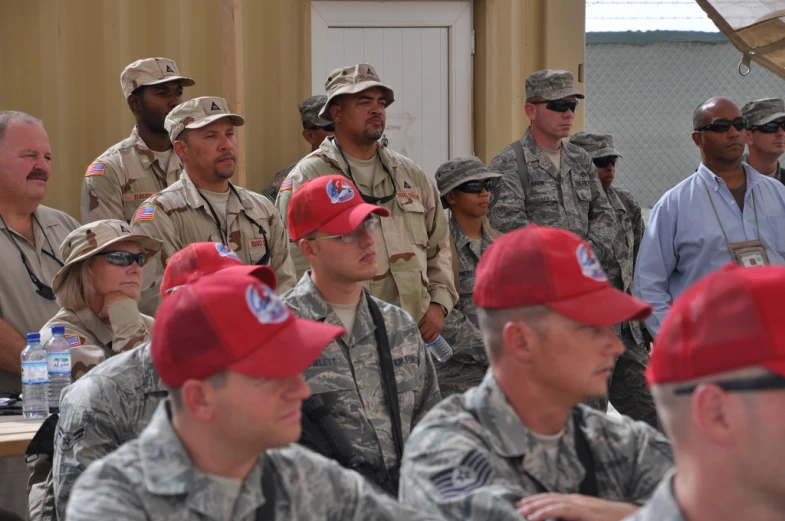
column 236, row 120
column 775, row 366
column 605, row 307
column 354, row 88
column 565, row 93
column 769, row 119
column 302, row 341
column 474, row 177
column 352, row 218
column 605, row 152
column 184, row 80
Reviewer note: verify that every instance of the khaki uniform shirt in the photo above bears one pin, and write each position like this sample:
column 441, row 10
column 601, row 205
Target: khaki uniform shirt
column 662, row 506
column 108, row 407
column 93, row 341
column 122, row 178
column 179, row 216
column 417, row 270
column 472, row 458
column 152, row 477
column 20, row 305
column 347, row 375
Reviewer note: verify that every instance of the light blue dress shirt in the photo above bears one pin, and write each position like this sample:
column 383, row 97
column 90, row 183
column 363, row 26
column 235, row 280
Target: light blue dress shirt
column 684, row 240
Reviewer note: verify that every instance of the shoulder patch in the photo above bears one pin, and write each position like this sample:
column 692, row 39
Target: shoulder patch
column 145, row 213
column 287, row 184
column 95, row 169
column 75, row 340
column 69, row 438
column 473, row 472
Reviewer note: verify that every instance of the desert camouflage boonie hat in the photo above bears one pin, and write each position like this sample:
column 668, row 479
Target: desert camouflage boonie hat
column 197, row 113
column 597, row 145
column 96, row 237
column 762, row 111
column 351, row 80
column 461, row 170
column 551, row 85
column 309, row 111
column 151, row 71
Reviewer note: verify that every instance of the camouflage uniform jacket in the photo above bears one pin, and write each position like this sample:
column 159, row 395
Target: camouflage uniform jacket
column 662, row 506
column 93, row 341
column 152, row 477
column 110, row 406
column 348, row 377
column 416, row 233
column 179, row 216
column 472, row 458
column 272, row 190
column 130, row 174
column 571, row 198
column 469, row 362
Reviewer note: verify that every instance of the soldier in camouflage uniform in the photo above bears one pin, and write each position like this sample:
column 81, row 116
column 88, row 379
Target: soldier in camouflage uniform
column 628, row 391
column 334, row 230
column 521, row 443
column 413, row 269
column 215, row 449
column 721, row 401
column 765, row 136
column 131, row 171
column 559, row 185
column 204, row 206
column 115, row 401
column 315, row 130
column 99, row 292
column 465, row 186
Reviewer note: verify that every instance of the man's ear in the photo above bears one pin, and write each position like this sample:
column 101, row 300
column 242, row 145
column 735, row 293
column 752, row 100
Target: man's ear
column 450, row 197
column 135, row 103
column 179, row 148
column 697, row 138
column 335, row 111
column 531, row 110
column 309, row 137
column 519, row 340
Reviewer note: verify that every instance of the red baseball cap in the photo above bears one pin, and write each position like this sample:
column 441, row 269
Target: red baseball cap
column 329, row 203
column 202, row 258
column 231, row 320
column 730, row 319
column 538, row 265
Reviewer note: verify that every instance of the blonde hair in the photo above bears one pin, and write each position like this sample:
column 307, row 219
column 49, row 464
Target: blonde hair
column 77, row 287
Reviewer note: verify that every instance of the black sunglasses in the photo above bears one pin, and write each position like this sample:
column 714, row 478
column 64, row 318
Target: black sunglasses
column 769, row 128
column 723, row 125
column 475, row 187
column 124, row 258
column 328, row 128
column 558, row 105
column 761, row 383
column 602, row 162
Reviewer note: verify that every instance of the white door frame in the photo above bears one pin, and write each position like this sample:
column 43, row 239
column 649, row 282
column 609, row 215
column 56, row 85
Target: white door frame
column 455, row 16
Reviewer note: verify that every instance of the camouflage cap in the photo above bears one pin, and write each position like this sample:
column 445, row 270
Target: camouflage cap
column 351, row 80
column 151, row 71
column 551, row 85
column 762, row 111
column 461, row 170
column 309, row 110
column 597, row 145
column 96, row 237
column 197, row 113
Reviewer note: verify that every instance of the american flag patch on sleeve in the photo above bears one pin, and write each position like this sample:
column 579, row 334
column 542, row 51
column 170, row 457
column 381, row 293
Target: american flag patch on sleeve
column 145, row 213
column 95, row 169
column 286, row 185
column 74, row 340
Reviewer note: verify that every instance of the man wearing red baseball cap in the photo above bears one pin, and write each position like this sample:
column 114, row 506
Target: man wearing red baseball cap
column 115, row 400
column 231, row 354
column 377, row 380
column 717, row 373
column 522, row 442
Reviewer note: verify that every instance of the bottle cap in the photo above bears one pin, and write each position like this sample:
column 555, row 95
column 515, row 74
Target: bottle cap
column 33, row 338
column 58, row 330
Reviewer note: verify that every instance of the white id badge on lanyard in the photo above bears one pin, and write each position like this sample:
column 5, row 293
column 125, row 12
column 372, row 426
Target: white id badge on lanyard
column 749, row 254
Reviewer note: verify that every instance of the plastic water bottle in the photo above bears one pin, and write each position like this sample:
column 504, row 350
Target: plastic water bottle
column 440, row 349
column 58, row 358
column 35, row 379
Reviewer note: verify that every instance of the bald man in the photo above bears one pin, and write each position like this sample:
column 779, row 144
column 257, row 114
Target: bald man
column 724, row 212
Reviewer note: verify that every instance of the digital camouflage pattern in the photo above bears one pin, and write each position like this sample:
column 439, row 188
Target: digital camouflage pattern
column 551, row 84
column 472, row 458
column 151, row 71
column 152, row 477
column 347, row 375
column 762, row 111
column 351, row 80
column 627, row 390
column 107, row 408
column 417, row 268
column 571, row 198
column 310, row 108
column 597, row 145
column 662, row 506
column 179, row 216
column 461, row 170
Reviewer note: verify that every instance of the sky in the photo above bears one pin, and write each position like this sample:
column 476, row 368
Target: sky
column 646, row 15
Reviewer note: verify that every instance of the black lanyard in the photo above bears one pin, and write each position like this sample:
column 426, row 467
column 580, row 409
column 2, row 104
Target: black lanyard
column 41, row 289
column 370, row 199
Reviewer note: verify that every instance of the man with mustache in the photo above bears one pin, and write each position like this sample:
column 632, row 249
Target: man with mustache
column 121, row 178
column 725, row 212
column 413, row 261
column 204, row 206
column 765, row 136
column 30, row 237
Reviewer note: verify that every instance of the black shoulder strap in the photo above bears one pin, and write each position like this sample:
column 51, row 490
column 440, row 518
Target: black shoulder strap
column 523, row 170
column 388, row 373
column 588, row 486
column 266, row 512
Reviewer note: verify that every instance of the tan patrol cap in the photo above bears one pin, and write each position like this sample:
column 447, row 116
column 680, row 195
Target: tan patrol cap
column 197, row 113
column 151, row 71
column 351, row 80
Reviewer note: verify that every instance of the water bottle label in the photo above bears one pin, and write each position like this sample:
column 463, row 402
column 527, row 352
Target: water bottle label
column 59, row 362
column 35, row 372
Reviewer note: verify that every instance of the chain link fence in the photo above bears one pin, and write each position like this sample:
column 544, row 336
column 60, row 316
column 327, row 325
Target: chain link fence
column 645, row 95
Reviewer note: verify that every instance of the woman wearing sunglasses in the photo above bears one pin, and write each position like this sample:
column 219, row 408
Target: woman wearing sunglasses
column 98, row 288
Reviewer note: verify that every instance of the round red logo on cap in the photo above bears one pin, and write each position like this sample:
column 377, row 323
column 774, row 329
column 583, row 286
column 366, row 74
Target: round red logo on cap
column 266, row 306
column 339, row 192
column 590, row 267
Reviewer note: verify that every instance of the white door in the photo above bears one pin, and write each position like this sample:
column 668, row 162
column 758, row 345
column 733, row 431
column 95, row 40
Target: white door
column 422, row 50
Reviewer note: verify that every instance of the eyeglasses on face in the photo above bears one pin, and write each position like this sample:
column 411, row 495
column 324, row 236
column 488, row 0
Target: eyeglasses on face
column 559, row 105
column 602, row 162
column 769, row 128
column 724, row 125
column 124, row 258
column 371, row 224
column 475, row 187
column 761, row 383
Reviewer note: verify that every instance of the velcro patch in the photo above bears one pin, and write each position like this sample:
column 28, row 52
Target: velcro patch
column 141, row 196
column 145, row 213
column 287, row 184
column 95, row 169
column 408, row 195
column 473, row 472
column 69, row 438
column 75, row 340
column 255, row 243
